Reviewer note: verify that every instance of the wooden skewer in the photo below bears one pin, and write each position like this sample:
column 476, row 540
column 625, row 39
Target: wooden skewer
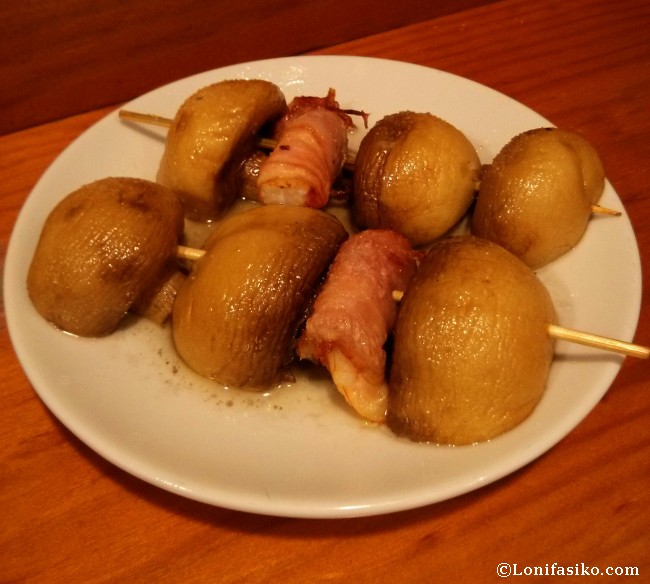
column 270, row 144
column 604, row 211
column 582, row 338
column 554, row 331
column 189, row 253
column 264, row 143
column 145, row 118
column 598, row 342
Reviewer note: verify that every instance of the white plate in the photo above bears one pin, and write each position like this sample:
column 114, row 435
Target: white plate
column 298, row 451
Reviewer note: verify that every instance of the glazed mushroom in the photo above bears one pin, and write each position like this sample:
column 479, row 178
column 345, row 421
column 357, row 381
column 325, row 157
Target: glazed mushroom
column 213, row 132
column 236, row 317
column 536, row 197
column 414, row 173
column 471, row 352
column 101, row 248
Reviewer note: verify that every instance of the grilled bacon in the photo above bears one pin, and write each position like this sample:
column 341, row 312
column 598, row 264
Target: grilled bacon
column 354, row 314
column 312, row 143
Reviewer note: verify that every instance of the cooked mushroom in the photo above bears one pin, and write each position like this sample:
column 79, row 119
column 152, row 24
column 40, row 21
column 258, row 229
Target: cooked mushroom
column 212, row 133
column 535, row 198
column 471, row 352
column 593, row 173
column 416, row 174
column 100, row 249
column 236, row 316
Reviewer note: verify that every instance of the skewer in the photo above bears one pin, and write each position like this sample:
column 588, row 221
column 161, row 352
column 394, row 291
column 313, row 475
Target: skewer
column 604, row 210
column 598, row 342
column 145, row 118
column 554, row 331
column 189, row 253
column 263, row 143
column 270, row 144
column 582, row 338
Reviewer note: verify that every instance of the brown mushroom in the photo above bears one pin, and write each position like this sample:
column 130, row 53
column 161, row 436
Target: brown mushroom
column 536, row 197
column 100, row 249
column 471, row 352
column 213, row 132
column 236, row 316
column 416, row 174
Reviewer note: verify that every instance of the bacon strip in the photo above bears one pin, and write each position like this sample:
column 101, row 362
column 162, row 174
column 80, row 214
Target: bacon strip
column 312, row 145
column 354, row 314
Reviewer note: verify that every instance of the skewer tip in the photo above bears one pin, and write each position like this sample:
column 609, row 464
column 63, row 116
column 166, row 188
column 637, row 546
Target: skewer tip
column 583, row 338
column 189, row 253
column 598, row 342
column 599, row 210
column 145, row 118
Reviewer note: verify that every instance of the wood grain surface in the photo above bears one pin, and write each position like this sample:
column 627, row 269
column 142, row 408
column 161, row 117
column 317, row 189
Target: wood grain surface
column 67, row 515
column 63, row 57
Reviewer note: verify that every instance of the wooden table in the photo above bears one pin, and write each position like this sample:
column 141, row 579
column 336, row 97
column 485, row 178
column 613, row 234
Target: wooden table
column 66, row 515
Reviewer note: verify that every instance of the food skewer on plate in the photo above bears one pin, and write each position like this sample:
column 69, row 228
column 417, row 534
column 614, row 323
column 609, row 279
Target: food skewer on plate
column 583, row 338
column 554, row 331
column 268, row 144
column 58, row 236
column 474, row 318
column 419, row 175
column 236, row 314
column 155, row 120
column 218, row 128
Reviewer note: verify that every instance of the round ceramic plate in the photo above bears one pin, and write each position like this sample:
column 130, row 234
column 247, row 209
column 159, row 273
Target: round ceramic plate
column 299, row 451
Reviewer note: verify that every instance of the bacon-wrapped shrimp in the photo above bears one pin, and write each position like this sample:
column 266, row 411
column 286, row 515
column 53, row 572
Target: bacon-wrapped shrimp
column 354, row 314
column 312, row 143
